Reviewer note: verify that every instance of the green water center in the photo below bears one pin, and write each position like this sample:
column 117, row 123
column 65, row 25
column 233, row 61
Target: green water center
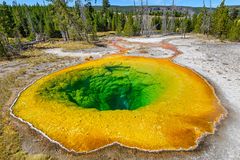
column 110, row 87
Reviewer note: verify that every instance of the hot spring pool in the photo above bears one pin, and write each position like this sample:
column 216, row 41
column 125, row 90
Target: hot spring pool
column 145, row 103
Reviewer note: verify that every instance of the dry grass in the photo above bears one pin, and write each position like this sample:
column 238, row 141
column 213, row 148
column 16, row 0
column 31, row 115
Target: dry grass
column 37, row 57
column 10, row 140
column 66, row 46
column 12, row 40
column 6, row 83
column 208, row 38
column 103, row 34
column 10, row 147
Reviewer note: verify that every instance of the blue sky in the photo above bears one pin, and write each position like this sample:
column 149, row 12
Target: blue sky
column 194, row 3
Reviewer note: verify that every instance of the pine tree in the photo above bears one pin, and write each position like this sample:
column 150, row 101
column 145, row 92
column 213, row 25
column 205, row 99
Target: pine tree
column 198, row 23
column 49, row 27
column 95, row 27
column 234, row 13
column 89, row 12
column 3, row 51
column 61, row 18
column 119, row 25
column 188, row 24
column 97, row 22
column 136, row 27
column 205, row 18
column 157, row 22
column 6, row 20
column 20, row 19
column 221, row 21
column 106, row 5
column 35, row 16
column 114, row 20
column 177, row 25
column 129, row 28
column 234, row 33
column 194, row 20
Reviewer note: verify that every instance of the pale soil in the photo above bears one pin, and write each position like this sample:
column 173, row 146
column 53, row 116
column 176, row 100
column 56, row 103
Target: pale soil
column 96, row 53
column 218, row 62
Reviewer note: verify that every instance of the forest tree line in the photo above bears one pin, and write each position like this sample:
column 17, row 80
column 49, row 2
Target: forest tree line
column 82, row 22
column 222, row 22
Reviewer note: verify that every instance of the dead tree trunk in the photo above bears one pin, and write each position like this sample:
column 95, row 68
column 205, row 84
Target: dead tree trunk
column 134, row 4
column 147, row 20
column 59, row 7
column 183, row 28
column 141, row 18
column 209, row 19
column 172, row 23
column 38, row 35
column 164, row 22
column 3, row 51
column 6, row 50
column 205, row 27
column 84, row 20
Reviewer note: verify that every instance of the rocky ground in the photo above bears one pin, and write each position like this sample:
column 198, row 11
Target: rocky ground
column 218, row 62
